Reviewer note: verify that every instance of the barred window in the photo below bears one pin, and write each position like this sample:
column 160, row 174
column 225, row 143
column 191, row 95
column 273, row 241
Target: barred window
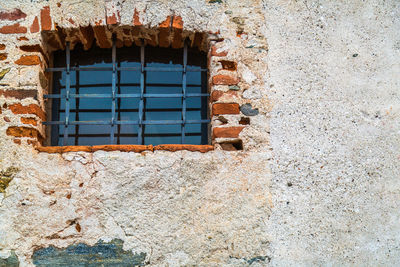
column 129, row 95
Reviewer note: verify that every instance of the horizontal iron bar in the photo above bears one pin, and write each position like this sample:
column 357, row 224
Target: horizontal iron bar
column 133, row 135
column 132, row 84
column 146, row 122
column 164, row 69
column 129, row 110
column 124, row 95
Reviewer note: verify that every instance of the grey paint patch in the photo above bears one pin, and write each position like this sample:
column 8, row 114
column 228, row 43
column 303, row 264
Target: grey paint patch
column 11, row 261
column 101, row 254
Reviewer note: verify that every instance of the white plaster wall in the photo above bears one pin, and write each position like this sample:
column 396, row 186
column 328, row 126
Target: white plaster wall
column 335, row 132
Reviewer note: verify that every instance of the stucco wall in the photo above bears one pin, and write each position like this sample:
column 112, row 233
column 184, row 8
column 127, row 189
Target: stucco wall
column 317, row 182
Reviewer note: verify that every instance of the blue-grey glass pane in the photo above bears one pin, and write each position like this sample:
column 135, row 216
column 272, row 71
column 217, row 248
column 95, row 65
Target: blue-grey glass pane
column 163, row 103
column 163, row 77
column 72, row 77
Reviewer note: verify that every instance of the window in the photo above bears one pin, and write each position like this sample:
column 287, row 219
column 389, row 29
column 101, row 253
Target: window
column 130, row 95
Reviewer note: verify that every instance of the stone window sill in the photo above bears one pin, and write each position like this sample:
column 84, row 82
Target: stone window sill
column 124, row 148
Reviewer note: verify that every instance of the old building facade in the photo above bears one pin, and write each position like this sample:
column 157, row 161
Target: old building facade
column 301, row 166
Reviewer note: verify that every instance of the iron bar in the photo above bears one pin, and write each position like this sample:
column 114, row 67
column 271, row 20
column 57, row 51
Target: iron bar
column 184, row 92
column 113, row 88
column 163, row 69
column 143, row 122
column 77, row 108
column 141, row 103
column 67, row 89
column 124, row 95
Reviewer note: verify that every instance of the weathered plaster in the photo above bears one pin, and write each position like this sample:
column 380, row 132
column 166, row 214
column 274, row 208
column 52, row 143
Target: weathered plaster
column 316, row 184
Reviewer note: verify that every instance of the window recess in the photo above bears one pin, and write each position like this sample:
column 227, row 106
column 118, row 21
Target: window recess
column 130, row 95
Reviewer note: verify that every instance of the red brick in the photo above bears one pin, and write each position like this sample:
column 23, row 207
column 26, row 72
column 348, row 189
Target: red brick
column 224, row 80
column 177, row 22
column 22, row 132
column 101, row 37
column 2, row 46
column 194, row 148
column 32, row 48
column 136, row 19
column 197, row 40
column 164, row 33
column 225, row 108
column 22, row 38
column 88, row 36
column 123, row 148
column 12, row 15
column 3, row 56
column 228, row 65
column 6, row 119
column 31, row 109
column 244, row 121
column 17, row 141
column 177, row 28
column 218, row 94
column 31, row 121
column 227, row 132
column 111, row 20
column 35, row 25
column 218, row 54
column 11, row 29
column 71, row 21
column 45, row 19
column 28, row 60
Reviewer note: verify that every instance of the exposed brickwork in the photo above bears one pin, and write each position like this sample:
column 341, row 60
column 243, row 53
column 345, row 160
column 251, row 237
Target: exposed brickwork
column 12, row 29
column 173, row 148
column 225, row 108
column 214, row 52
column 35, row 25
column 31, row 121
column 228, row 65
column 23, row 132
column 177, row 25
column 28, row 60
column 136, row 19
column 224, row 80
column 19, row 94
column 227, row 132
column 164, row 34
column 3, row 56
column 125, row 148
column 102, row 40
column 218, row 94
column 2, row 46
column 45, row 18
column 31, row 109
column 31, row 48
column 88, row 36
column 14, row 14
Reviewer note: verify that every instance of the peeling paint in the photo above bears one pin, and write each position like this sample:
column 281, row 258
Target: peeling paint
column 101, row 254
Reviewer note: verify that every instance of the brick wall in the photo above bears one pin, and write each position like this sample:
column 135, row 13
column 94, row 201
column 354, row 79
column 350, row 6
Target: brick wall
column 37, row 36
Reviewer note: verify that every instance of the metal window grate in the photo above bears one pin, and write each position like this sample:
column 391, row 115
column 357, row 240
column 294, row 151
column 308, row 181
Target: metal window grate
column 71, row 122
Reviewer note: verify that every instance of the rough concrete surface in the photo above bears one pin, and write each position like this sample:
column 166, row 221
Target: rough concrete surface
column 317, row 182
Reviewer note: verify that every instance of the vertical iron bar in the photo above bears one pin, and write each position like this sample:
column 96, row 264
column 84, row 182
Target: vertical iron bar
column 119, row 105
column 67, row 88
column 184, row 92
column 114, row 75
column 141, row 103
column 77, row 108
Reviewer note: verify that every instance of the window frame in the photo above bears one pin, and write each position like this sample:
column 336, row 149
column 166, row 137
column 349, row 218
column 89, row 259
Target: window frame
column 141, row 122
